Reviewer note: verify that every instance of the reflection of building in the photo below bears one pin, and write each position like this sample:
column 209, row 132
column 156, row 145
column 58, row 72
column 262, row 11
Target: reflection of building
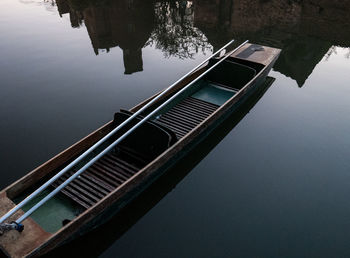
column 75, row 17
column 124, row 23
column 305, row 30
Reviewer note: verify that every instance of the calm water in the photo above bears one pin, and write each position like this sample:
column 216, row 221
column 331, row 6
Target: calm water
column 276, row 185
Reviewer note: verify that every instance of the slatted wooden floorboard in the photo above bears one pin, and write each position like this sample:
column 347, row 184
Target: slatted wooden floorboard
column 111, row 171
column 186, row 115
column 96, row 182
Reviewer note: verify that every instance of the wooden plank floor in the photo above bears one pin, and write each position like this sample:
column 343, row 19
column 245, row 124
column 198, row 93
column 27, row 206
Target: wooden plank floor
column 100, row 179
column 186, row 115
column 111, row 171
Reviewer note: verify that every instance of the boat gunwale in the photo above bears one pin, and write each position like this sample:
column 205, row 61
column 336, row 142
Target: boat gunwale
column 11, row 191
column 144, row 174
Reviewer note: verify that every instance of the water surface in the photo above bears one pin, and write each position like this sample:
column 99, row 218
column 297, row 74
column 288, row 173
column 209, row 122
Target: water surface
column 277, row 184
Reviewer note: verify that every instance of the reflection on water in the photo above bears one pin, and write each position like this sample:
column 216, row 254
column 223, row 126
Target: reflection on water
column 305, row 30
column 126, row 24
column 50, row 5
column 276, row 186
column 174, row 32
column 132, row 25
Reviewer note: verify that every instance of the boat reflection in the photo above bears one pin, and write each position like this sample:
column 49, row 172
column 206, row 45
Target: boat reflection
column 97, row 241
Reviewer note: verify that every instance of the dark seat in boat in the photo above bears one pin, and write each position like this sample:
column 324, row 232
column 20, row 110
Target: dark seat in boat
column 152, row 138
column 113, row 169
column 233, row 73
column 147, row 142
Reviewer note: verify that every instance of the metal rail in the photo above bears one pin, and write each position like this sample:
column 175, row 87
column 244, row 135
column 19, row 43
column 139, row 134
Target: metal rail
column 87, row 165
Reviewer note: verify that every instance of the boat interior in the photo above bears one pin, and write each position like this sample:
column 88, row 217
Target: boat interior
column 88, row 245
column 151, row 139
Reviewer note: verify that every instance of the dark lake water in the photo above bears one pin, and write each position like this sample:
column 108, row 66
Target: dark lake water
column 274, row 182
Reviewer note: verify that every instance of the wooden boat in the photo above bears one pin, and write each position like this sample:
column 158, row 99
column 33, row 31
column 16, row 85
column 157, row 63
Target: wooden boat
column 127, row 170
column 91, row 246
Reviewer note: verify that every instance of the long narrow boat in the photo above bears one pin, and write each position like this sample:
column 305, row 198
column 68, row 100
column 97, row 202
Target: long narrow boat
column 112, row 181
column 91, row 246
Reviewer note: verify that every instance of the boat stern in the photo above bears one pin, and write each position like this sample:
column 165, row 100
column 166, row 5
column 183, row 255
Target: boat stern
column 20, row 244
column 258, row 54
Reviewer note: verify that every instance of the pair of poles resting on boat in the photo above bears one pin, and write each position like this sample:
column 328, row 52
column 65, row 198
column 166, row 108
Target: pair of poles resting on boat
column 16, row 225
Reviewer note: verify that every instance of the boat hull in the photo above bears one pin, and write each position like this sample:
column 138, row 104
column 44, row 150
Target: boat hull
column 134, row 186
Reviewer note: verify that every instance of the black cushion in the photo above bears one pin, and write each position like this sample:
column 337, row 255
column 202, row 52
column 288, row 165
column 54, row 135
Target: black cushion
column 148, row 141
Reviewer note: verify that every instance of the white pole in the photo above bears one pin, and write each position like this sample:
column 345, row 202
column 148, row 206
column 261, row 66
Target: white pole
column 97, row 144
column 87, row 165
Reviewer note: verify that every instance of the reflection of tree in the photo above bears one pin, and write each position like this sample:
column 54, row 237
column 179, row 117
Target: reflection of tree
column 331, row 51
column 50, row 5
column 174, row 32
column 347, row 55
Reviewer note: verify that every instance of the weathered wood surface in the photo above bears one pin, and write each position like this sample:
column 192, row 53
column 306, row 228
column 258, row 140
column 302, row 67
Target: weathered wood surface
column 263, row 55
column 19, row 244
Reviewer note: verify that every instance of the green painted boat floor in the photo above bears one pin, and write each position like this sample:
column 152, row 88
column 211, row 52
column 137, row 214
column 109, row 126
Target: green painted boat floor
column 213, row 93
column 51, row 215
